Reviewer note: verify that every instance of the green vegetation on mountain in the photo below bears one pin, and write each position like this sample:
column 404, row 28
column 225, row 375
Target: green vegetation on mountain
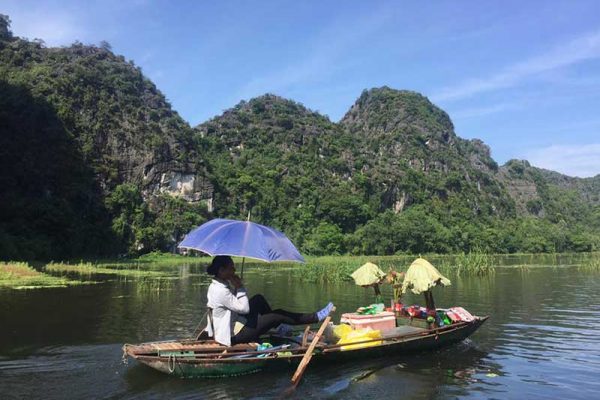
column 95, row 162
column 288, row 166
column 391, row 177
column 76, row 124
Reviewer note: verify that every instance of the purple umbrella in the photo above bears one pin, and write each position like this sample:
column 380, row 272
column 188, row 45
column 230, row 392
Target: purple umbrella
column 226, row 237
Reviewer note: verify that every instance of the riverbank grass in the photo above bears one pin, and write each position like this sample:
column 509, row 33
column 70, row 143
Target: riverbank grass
column 88, row 269
column 154, row 260
column 333, row 269
column 19, row 275
column 472, row 263
column 591, row 264
column 158, row 257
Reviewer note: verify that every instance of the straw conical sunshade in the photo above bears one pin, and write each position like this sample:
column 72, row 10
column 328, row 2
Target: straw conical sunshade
column 368, row 274
column 422, row 276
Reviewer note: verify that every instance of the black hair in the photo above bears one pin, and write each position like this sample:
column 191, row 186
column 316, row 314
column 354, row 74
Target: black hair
column 218, row 262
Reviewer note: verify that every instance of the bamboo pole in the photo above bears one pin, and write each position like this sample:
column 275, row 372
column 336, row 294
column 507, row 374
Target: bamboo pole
column 429, row 303
column 309, row 353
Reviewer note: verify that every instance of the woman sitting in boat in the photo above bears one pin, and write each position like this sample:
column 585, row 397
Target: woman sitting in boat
column 237, row 319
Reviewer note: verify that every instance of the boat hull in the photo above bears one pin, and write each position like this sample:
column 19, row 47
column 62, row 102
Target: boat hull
column 204, row 369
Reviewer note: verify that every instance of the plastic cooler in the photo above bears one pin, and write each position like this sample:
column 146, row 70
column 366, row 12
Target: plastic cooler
column 381, row 321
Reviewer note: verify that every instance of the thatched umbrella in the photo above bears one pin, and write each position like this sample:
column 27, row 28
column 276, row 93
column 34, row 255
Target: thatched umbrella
column 369, row 275
column 421, row 277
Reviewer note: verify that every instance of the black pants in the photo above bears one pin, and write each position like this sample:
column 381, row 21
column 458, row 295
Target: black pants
column 261, row 318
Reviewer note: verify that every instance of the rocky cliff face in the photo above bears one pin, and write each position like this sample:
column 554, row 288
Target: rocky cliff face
column 103, row 125
column 380, row 112
column 589, row 188
column 548, row 194
column 122, row 123
column 189, row 182
column 273, row 155
column 404, row 133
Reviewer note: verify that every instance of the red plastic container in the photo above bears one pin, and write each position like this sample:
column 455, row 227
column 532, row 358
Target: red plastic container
column 382, row 321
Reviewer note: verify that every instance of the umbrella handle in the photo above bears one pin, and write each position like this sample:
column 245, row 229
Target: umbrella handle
column 244, row 258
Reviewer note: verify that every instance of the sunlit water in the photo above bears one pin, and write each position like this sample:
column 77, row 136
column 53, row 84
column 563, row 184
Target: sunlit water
column 542, row 340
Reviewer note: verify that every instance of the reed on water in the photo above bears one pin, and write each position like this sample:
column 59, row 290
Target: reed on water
column 20, row 275
column 87, row 268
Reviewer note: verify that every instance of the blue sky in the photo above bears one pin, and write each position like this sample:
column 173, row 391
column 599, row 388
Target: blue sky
column 523, row 76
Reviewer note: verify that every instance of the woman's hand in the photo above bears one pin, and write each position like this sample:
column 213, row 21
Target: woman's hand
column 236, row 281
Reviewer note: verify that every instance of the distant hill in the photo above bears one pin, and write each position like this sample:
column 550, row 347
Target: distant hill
column 288, row 165
column 404, row 134
column 79, row 125
column 548, row 194
column 391, row 176
column 94, row 161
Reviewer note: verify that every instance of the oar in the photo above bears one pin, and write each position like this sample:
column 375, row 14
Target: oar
column 309, row 353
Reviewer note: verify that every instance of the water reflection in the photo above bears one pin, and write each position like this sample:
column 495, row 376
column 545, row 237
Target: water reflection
column 541, row 341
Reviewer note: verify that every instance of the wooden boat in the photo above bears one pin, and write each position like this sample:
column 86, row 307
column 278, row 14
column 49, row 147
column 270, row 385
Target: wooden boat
column 190, row 358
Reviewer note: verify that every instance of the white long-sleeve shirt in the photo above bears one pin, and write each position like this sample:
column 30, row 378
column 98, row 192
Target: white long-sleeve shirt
column 225, row 305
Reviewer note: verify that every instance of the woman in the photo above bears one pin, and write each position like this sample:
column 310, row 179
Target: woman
column 237, row 319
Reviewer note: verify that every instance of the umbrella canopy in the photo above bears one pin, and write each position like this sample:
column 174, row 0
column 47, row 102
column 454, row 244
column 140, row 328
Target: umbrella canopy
column 226, row 237
column 422, row 276
column 368, row 274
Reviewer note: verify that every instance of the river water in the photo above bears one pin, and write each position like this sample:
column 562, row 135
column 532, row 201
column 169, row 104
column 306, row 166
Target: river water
column 542, row 340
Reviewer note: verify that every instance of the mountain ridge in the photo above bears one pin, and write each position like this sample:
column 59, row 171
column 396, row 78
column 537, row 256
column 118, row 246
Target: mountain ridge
column 391, row 176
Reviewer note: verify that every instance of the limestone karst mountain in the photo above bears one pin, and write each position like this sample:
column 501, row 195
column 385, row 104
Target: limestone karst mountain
column 94, row 160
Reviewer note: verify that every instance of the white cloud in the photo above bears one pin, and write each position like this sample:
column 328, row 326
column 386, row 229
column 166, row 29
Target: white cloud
column 583, row 48
column 572, row 160
column 56, row 29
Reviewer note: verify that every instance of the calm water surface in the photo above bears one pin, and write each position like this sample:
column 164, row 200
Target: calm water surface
column 542, row 340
